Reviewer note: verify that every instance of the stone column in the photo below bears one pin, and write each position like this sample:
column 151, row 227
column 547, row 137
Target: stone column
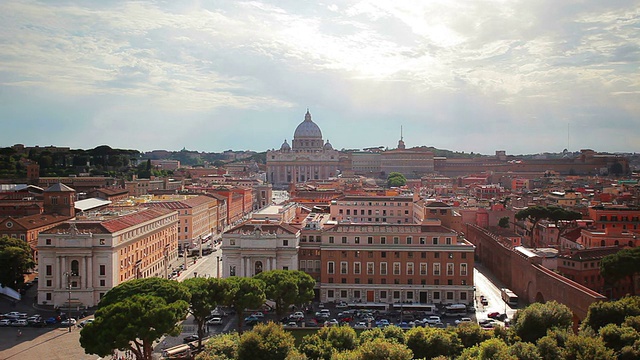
column 248, row 265
column 63, row 269
column 58, row 272
column 83, row 273
column 275, row 266
column 89, row 272
column 241, row 270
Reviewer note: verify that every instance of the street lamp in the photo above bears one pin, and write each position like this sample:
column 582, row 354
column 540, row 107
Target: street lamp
column 68, row 275
column 218, row 261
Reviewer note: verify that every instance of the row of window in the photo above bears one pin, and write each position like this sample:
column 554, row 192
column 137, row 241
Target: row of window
column 396, row 268
column 396, row 240
column 396, row 254
column 395, row 295
column 370, row 212
column 383, row 281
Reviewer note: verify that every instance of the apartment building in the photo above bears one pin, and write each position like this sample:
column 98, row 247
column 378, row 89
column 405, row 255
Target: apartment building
column 80, row 260
column 392, row 263
column 373, row 209
column 613, row 225
column 197, row 217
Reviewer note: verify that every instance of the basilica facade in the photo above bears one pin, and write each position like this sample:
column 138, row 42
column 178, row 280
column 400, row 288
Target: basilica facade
column 308, row 157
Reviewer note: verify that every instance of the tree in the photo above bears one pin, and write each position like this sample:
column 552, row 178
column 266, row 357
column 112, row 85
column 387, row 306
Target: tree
column 563, row 219
column 382, row 349
column 170, row 291
column 623, row 264
column 266, row 342
column 617, row 312
column 396, row 179
column 15, row 260
column 132, row 324
column 287, row 287
column 492, row 349
column 244, row 293
column 534, row 214
column 504, row 222
column 586, row 347
column 431, row 342
column 533, row 322
column 470, row 334
column 524, row 351
column 221, row 347
column 206, row 294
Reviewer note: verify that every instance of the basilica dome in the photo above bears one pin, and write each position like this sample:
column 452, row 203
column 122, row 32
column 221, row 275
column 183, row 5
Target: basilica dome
column 307, row 129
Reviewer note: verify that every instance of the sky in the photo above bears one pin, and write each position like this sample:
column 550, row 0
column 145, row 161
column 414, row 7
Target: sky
column 525, row 76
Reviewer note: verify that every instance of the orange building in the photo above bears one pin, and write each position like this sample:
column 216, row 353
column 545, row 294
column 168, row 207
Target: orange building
column 80, row 261
column 392, row 263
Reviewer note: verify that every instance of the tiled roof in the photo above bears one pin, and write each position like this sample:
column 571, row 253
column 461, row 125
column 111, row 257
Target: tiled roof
column 123, row 222
column 39, row 220
column 197, row 200
column 591, row 254
column 168, row 204
column 59, row 187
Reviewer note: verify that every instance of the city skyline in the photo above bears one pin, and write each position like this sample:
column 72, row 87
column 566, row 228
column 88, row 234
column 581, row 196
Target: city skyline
column 458, row 75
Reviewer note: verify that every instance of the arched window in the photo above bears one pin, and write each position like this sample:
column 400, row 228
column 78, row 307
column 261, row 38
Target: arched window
column 602, row 243
column 616, row 243
column 74, row 268
column 258, row 267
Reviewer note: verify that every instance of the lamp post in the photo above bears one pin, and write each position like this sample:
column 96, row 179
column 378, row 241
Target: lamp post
column 68, row 275
column 218, row 261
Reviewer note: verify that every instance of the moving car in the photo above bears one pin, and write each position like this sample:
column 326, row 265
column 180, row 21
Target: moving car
column 251, row 320
column 190, row 338
column 215, row 321
column 493, row 315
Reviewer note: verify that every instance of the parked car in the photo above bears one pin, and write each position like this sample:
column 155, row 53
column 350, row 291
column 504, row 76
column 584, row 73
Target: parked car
column 360, row 325
column 291, row 324
column 6, row 322
column 431, row 320
column 15, row 315
column 215, row 321
column 298, row 315
column 190, row 338
column 464, row 319
column 20, row 322
column 85, row 322
column 311, row 323
column 382, row 323
column 493, row 315
column 332, row 322
column 258, row 314
column 51, row 320
column 342, row 305
column 34, row 319
column 68, row 322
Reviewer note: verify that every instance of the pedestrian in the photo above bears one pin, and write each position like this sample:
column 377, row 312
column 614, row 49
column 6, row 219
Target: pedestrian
column 19, row 332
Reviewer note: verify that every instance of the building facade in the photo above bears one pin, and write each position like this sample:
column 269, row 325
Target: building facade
column 79, row 261
column 307, row 158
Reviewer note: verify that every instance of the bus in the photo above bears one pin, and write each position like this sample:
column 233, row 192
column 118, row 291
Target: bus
column 177, row 352
column 455, row 310
column 509, row 297
column 426, row 309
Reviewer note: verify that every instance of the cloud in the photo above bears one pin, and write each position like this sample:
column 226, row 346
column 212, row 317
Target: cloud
column 486, row 74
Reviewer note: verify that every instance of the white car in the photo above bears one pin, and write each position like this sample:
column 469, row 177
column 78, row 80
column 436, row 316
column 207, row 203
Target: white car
column 360, row 325
column 6, row 322
column 85, row 322
column 20, row 322
column 342, row 305
column 258, row 314
column 298, row 315
column 432, row 320
column 215, row 321
column 291, row 324
column 68, row 322
column 15, row 315
column 464, row 319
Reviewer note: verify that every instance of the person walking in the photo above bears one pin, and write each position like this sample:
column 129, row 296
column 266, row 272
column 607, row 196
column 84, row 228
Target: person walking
column 19, row 333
